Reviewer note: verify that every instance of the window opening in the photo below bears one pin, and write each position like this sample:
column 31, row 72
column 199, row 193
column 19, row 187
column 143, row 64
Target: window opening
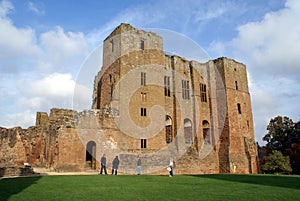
column 143, row 143
column 203, row 92
column 143, row 97
column 167, row 86
column 239, row 108
column 236, row 85
column 112, row 45
column 185, row 89
column 143, row 112
column 143, row 78
column 142, row 45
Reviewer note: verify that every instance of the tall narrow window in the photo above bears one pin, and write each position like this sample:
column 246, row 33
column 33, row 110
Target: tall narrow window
column 239, row 108
column 167, row 86
column 143, row 97
column 188, row 131
column 169, row 136
column 236, row 85
column 143, row 78
column 112, row 45
column 203, row 92
column 185, row 89
column 143, row 112
column 143, row 143
column 111, row 92
column 142, row 45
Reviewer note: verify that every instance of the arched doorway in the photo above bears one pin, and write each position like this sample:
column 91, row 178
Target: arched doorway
column 90, row 157
column 206, row 136
column 188, row 131
column 169, row 134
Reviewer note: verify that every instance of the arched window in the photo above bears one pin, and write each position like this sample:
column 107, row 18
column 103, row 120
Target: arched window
column 188, row 131
column 206, row 137
column 169, row 134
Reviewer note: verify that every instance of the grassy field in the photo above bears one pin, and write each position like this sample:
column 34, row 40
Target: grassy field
column 147, row 187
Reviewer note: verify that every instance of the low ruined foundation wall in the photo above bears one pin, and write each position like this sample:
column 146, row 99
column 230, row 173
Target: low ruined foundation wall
column 16, row 171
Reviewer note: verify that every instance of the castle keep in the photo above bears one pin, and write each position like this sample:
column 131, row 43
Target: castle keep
column 151, row 104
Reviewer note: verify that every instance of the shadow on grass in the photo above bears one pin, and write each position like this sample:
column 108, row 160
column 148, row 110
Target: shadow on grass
column 12, row 186
column 267, row 180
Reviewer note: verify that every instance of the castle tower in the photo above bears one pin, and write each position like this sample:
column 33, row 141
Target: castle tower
column 159, row 101
column 237, row 152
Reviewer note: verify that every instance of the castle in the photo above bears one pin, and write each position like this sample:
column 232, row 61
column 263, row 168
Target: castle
column 150, row 104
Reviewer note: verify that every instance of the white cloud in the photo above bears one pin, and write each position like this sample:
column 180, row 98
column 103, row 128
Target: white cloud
column 35, row 8
column 273, row 97
column 53, row 86
column 24, row 119
column 19, row 45
column 270, row 48
column 62, row 49
column 54, row 90
column 272, row 44
column 5, row 8
column 28, row 67
column 82, row 97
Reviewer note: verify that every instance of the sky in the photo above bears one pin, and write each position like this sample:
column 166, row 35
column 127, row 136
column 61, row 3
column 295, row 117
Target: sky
column 44, row 44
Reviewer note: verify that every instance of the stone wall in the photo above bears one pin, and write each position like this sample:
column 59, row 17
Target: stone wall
column 211, row 136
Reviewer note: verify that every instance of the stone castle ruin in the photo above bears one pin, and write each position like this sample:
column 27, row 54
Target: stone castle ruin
column 150, row 104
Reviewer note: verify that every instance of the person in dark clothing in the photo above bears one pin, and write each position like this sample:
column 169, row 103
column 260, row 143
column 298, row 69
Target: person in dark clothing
column 115, row 165
column 103, row 164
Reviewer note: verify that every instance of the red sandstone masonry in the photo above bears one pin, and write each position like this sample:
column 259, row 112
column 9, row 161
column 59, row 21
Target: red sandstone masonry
column 59, row 141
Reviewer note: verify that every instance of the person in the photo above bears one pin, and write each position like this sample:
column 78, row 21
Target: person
column 139, row 166
column 115, row 165
column 103, row 164
column 170, row 168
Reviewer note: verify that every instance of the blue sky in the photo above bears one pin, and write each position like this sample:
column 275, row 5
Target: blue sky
column 44, row 43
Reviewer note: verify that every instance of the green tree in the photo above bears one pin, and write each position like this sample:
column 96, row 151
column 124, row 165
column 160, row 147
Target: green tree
column 280, row 134
column 283, row 135
column 277, row 163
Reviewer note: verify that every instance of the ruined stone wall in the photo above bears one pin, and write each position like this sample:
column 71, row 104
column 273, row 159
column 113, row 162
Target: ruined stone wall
column 12, row 147
column 221, row 132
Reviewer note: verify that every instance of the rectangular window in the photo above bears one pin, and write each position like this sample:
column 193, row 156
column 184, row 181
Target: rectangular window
column 143, row 112
column 143, row 78
column 203, row 92
column 143, row 143
column 167, row 86
column 142, row 45
column 185, row 89
column 143, row 97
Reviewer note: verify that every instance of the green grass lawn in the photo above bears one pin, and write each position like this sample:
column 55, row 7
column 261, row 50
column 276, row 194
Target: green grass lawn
column 148, row 187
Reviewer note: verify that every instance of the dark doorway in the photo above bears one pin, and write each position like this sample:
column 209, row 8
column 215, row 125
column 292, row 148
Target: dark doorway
column 90, row 157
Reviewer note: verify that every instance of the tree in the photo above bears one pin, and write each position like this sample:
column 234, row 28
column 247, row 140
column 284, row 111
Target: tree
column 283, row 135
column 279, row 137
column 277, row 163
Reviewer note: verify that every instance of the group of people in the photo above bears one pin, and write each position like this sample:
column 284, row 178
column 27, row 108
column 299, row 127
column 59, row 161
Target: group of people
column 115, row 165
column 116, row 161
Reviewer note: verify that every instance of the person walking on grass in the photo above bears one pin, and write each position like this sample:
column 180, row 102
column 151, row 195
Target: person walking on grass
column 139, row 166
column 170, row 168
column 115, row 165
column 103, row 164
